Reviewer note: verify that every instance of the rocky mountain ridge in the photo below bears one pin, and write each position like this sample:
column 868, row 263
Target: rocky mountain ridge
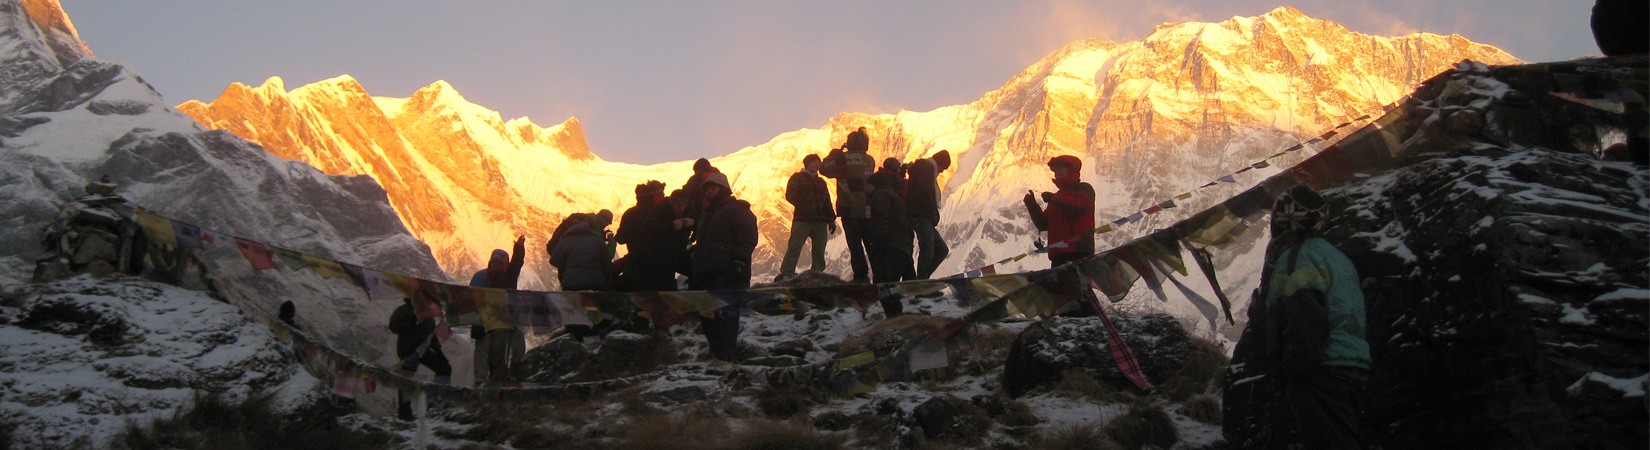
column 1152, row 118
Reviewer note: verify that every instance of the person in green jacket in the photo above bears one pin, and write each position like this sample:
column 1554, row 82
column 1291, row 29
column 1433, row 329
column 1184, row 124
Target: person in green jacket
column 1315, row 324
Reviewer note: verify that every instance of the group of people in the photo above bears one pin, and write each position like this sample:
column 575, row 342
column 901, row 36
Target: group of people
column 887, row 213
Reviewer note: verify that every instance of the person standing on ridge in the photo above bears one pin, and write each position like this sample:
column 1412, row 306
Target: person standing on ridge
column 643, row 229
column 851, row 167
column 812, row 217
column 497, row 349
column 723, row 241
column 1069, row 216
column 696, row 196
column 1315, row 325
column 1068, row 219
column 922, row 199
column 415, row 345
column 889, row 239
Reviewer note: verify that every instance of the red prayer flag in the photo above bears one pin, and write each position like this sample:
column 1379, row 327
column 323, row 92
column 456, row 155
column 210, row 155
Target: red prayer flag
column 260, row 255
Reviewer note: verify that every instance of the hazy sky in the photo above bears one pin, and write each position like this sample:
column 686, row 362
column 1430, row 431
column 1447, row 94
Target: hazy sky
column 674, row 80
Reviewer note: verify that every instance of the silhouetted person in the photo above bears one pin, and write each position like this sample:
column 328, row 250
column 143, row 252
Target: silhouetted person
column 922, row 201
column 889, row 239
column 851, row 169
column 497, row 349
column 1315, row 325
column 723, row 241
column 1621, row 27
column 415, row 345
column 813, row 219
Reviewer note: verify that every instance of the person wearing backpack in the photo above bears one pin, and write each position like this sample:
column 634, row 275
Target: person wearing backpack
column 851, row 166
column 582, row 258
column 1315, row 321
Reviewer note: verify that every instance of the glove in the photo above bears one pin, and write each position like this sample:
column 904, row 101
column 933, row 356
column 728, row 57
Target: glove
column 1030, row 200
column 1048, row 197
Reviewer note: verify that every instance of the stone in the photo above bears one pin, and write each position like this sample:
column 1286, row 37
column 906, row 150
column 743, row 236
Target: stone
column 1047, row 349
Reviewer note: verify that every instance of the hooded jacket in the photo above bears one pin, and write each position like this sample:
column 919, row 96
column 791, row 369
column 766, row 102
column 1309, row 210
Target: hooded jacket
column 922, row 190
column 723, row 241
column 581, row 259
column 1069, row 215
column 503, row 269
column 1315, row 310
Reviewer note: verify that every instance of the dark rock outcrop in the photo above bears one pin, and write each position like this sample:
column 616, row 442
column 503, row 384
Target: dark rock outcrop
column 1046, row 350
column 1504, row 274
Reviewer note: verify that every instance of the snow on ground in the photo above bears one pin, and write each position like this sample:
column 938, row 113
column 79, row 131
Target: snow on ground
column 65, row 386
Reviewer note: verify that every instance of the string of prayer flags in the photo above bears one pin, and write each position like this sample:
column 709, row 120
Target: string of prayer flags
column 157, row 228
column 1327, row 169
column 530, row 311
column 1205, row 262
column 1213, row 226
column 492, row 306
column 261, row 257
column 190, row 236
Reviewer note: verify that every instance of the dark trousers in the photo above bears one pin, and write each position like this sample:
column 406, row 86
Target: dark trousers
column 931, row 249
column 436, row 361
column 722, row 333
column 1326, row 405
column 1083, row 309
column 890, row 265
column 855, row 230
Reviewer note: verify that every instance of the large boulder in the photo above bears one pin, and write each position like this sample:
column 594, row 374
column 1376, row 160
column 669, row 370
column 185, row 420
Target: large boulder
column 1047, row 349
column 1504, row 278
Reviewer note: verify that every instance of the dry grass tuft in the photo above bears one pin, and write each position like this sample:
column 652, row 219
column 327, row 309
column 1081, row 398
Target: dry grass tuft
column 784, row 402
column 1075, row 437
column 1203, row 372
column 1143, row 425
column 211, row 421
column 518, row 425
column 1076, row 383
column 676, row 431
column 777, row 435
column 1202, row 408
column 986, row 349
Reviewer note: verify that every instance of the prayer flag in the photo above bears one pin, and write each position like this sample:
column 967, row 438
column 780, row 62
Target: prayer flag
column 1325, row 170
column 158, row 228
column 261, row 257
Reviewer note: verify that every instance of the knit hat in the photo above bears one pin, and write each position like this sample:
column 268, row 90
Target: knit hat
column 718, row 178
column 606, row 216
column 701, row 165
column 1068, row 160
column 942, row 161
column 1299, row 210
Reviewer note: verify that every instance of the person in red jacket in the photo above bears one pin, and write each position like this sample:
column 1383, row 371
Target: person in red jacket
column 1069, row 216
